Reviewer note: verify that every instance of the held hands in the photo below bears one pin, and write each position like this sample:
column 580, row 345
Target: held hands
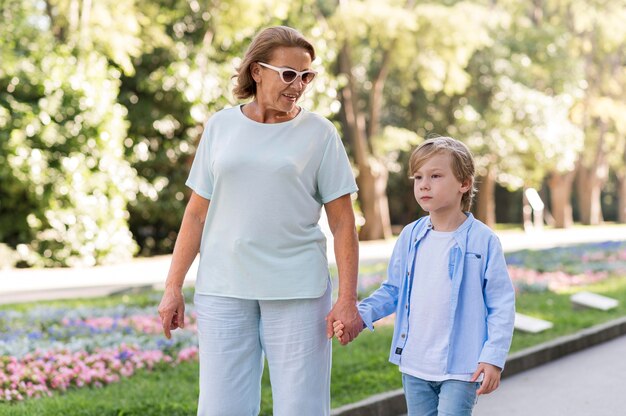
column 491, row 380
column 172, row 310
column 344, row 321
column 338, row 328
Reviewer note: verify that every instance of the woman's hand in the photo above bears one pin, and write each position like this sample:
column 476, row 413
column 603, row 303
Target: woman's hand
column 347, row 314
column 172, row 310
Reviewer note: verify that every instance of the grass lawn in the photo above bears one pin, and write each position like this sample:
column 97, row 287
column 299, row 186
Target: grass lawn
column 359, row 370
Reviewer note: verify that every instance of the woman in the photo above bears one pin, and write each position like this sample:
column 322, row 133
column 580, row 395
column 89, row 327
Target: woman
column 260, row 176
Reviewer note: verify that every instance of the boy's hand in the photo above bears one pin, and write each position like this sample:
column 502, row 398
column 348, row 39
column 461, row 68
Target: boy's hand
column 346, row 312
column 491, row 380
column 338, row 327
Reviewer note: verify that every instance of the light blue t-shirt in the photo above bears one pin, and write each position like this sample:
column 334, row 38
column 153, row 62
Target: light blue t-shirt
column 267, row 184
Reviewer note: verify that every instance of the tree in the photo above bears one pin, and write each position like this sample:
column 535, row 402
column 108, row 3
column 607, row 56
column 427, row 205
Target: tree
column 601, row 36
column 62, row 139
column 517, row 114
column 427, row 45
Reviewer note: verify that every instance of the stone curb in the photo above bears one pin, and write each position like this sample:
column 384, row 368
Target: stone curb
column 388, row 404
column 392, row 403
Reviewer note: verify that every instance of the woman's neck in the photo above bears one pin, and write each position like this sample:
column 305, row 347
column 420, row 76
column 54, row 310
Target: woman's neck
column 259, row 113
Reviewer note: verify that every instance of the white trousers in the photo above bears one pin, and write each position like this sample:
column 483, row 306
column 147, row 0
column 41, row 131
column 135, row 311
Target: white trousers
column 235, row 334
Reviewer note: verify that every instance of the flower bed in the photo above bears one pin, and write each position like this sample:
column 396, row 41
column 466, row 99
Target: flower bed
column 563, row 268
column 52, row 349
column 47, row 350
column 554, row 269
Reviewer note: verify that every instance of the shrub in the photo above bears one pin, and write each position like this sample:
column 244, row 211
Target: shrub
column 64, row 183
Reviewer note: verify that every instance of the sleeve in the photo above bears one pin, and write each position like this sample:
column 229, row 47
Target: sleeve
column 200, row 178
column 334, row 176
column 499, row 296
column 384, row 300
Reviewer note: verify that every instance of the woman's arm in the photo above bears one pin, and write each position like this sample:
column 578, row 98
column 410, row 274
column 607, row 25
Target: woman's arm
column 342, row 225
column 172, row 306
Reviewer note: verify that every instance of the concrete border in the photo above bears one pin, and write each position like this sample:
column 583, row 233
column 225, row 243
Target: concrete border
column 392, row 403
column 562, row 346
column 384, row 404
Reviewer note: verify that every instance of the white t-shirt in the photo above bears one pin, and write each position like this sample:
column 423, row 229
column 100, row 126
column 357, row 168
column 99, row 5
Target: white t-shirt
column 267, row 184
column 425, row 354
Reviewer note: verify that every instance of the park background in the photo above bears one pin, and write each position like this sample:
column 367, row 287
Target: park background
column 102, row 104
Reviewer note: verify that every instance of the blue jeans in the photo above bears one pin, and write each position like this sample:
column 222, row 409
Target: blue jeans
column 439, row 398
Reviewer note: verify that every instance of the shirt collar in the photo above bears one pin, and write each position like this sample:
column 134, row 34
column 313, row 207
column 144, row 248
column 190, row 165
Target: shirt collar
column 420, row 232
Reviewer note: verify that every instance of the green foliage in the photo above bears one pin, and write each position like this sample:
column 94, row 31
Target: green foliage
column 393, row 140
column 102, row 103
column 108, row 27
column 65, row 183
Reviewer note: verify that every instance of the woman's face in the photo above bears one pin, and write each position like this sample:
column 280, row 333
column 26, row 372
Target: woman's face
column 272, row 92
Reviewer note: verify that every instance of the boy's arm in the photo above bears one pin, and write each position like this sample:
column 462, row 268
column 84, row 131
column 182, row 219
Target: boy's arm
column 383, row 301
column 379, row 304
column 499, row 297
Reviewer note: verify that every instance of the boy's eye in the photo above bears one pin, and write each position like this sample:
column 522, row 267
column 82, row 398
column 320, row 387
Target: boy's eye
column 417, row 177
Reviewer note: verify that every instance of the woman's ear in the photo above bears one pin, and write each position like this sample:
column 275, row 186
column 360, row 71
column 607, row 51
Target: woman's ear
column 255, row 71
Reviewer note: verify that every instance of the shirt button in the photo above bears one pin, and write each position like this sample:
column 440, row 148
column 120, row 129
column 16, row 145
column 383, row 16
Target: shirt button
column 403, row 335
column 408, row 274
column 406, row 306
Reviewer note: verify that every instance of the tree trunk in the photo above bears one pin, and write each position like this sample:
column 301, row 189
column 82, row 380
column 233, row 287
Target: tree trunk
column 527, row 214
column 560, row 185
column 621, row 195
column 590, row 181
column 486, row 204
column 374, row 203
column 621, row 190
column 589, row 186
column 373, row 174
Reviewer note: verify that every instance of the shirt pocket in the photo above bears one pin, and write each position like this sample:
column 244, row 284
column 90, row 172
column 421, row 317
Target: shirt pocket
column 474, row 265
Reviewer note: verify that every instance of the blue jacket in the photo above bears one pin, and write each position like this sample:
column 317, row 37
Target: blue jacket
column 482, row 302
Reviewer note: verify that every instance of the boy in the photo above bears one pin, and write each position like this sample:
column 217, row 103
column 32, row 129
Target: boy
column 449, row 287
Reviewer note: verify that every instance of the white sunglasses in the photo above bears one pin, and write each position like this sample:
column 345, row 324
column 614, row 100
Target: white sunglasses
column 288, row 75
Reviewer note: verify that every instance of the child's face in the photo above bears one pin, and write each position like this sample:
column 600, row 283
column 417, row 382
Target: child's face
column 436, row 188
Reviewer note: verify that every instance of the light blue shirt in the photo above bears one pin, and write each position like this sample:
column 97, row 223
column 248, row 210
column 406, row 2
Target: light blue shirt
column 267, row 184
column 481, row 303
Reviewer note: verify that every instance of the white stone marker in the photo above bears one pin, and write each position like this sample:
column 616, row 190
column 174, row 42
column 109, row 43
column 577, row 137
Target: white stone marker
column 527, row 323
column 593, row 300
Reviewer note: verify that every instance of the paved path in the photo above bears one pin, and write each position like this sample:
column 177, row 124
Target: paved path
column 22, row 285
column 591, row 382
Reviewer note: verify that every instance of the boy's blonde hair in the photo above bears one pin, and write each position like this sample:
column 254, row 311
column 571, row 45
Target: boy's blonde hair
column 462, row 162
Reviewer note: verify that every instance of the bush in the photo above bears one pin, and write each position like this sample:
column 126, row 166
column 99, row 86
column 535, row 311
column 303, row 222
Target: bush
column 64, row 183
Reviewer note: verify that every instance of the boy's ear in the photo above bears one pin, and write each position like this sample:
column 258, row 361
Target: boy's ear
column 466, row 185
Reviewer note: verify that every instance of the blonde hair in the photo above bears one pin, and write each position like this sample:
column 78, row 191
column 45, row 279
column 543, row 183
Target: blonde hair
column 462, row 162
column 261, row 49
